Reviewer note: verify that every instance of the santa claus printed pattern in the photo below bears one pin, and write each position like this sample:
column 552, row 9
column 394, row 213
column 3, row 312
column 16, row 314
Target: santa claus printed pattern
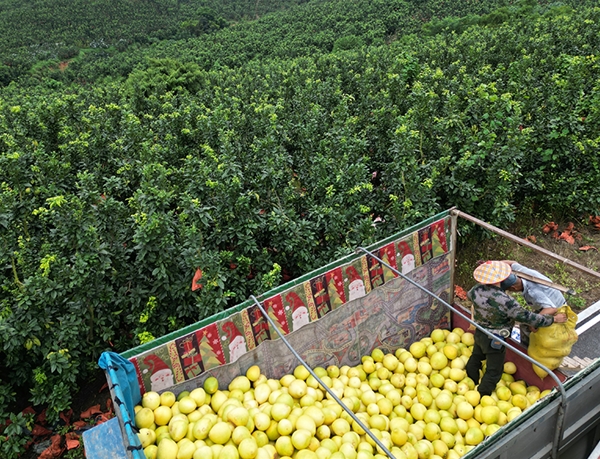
column 227, row 340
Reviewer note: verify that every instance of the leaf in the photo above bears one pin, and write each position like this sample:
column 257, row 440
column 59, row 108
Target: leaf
column 565, row 236
column 197, row 277
column 585, row 248
column 531, row 238
column 460, row 292
column 549, row 227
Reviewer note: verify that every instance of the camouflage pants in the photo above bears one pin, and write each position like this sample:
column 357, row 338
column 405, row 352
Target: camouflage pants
column 483, row 350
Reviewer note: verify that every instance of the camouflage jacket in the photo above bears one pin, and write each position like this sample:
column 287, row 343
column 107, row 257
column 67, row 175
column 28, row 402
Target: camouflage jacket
column 495, row 309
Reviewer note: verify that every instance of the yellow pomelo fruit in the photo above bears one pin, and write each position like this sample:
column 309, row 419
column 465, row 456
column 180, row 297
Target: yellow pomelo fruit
column 144, row 418
column 390, row 361
column 437, row 380
column 240, row 433
column 240, row 382
column 464, row 410
column 487, row 400
column 440, row 448
column 199, row 396
column 262, row 421
column 449, row 424
column 185, row 449
column 490, row 414
column 448, row 439
column 167, row 398
column 298, row 388
column 253, row 373
column 457, row 374
column 432, row 431
column 468, row 338
column 301, row 372
column 285, row 427
column 248, row 449
column 202, row 428
column 280, row 411
column 261, row 438
column 398, row 435
column 369, row 366
column 424, row 369
column 146, row 436
column 182, row 394
column 473, row 397
column 417, row 349
column 301, row 439
column 229, row 452
column 438, row 360
column 410, row 365
column 503, row 393
column 220, row 433
column 162, row 415
column 262, row 393
column 431, row 349
column 178, row 428
column 450, row 351
column 203, row 452
column 151, row 451
column 474, row 436
column 519, row 401
column 211, row 385
column 378, row 422
column 340, row 427
column 438, row 335
column 424, row 449
column 453, row 337
column 513, row 413
column 510, row 368
column 151, row 400
column 323, row 432
column 307, row 422
column 532, row 396
column 443, row 401
column 167, row 449
column 239, row 416
column 517, row 388
column 217, row 399
column 377, row 355
column 284, row 446
column 187, row 404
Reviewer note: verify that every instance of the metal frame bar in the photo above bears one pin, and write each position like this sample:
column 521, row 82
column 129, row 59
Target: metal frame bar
column 524, row 242
column 320, row 381
column 558, row 434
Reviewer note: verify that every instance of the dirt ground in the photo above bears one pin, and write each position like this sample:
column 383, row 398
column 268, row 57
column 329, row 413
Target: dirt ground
column 490, row 247
column 583, row 251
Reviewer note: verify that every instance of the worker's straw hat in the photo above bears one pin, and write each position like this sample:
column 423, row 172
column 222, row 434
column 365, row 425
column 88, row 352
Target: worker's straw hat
column 491, row 272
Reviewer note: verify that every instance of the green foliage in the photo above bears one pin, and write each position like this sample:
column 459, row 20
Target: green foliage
column 13, row 437
column 256, row 154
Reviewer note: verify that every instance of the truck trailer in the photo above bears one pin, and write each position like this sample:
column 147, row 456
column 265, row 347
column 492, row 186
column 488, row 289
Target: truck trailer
column 385, row 296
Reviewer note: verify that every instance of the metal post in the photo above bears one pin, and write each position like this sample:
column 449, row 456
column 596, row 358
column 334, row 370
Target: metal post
column 558, row 433
column 453, row 239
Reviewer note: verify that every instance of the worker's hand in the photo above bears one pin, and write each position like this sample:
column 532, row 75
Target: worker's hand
column 560, row 318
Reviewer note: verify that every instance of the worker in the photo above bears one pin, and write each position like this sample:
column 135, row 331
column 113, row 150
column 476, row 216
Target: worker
column 541, row 298
column 496, row 311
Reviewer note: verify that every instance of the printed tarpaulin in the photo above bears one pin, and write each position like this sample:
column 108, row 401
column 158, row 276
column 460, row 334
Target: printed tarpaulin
column 381, row 310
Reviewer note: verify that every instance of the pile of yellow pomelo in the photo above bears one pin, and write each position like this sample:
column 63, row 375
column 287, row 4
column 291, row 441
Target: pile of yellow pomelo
column 419, row 403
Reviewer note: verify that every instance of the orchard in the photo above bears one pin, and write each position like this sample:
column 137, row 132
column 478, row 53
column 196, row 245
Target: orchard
column 418, row 402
